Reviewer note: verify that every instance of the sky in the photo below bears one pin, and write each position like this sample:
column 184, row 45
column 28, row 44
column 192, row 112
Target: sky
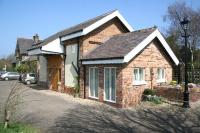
column 25, row 18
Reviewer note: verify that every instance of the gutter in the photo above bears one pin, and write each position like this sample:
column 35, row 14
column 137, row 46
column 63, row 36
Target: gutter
column 64, row 57
column 84, row 80
column 78, row 67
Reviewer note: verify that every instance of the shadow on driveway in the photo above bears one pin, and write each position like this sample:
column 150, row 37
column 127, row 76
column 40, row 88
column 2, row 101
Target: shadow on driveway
column 108, row 119
column 37, row 87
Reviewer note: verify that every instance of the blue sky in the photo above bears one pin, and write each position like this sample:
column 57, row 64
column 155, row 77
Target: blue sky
column 24, row 18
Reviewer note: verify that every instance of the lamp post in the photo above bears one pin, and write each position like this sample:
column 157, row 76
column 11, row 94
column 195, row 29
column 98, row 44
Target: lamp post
column 184, row 25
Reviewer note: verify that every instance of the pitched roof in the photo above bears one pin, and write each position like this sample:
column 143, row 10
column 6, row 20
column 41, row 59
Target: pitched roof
column 122, row 48
column 119, row 45
column 23, row 45
column 71, row 30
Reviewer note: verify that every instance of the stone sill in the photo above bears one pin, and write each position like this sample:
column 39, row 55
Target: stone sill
column 161, row 81
column 93, row 97
column 110, row 101
column 139, row 83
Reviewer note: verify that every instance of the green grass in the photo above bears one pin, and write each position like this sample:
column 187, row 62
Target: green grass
column 18, row 128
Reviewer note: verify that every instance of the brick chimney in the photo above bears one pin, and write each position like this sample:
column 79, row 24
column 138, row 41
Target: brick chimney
column 36, row 39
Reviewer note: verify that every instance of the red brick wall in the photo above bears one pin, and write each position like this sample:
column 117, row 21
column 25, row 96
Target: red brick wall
column 127, row 93
column 176, row 94
column 100, row 35
column 101, row 84
column 152, row 57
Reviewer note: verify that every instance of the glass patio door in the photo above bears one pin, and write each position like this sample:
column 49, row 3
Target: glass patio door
column 109, row 84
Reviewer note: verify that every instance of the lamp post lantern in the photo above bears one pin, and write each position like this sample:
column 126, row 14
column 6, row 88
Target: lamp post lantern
column 184, row 25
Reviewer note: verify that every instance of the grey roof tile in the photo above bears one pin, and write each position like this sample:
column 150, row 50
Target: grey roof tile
column 119, row 45
column 71, row 30
column 23, row 45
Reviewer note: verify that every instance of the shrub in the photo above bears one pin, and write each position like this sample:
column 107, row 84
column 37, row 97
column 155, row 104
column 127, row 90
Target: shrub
column 173, row 82
column 22, row 68
column 156, row 100
column 148, row 92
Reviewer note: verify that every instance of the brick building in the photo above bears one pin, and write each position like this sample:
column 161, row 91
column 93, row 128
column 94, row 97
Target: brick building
column 111, row 62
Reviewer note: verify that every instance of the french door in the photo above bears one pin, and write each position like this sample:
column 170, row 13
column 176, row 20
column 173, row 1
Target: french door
column 93, row 82
column 110, row 84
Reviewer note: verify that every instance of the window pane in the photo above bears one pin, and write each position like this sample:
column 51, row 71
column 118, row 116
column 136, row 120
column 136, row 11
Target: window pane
column 163, row 74
column 158, row 74
column 96, row 82
column 107, row 83
column 91, row 82
column 136, row 74
column 141, row 74
column 113, row 84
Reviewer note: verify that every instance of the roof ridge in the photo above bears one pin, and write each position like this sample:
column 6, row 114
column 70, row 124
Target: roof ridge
column 24, row 38
column 140, row 30
column 146, row 29
column 105, row 14
column 75, row 28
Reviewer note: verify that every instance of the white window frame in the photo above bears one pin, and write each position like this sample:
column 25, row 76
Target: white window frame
column 139, row 82
column 110, row 99
column 162, row 79
column 89, row 83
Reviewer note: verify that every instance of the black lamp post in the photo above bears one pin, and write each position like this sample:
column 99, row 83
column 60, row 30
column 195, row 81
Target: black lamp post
column 184, row 25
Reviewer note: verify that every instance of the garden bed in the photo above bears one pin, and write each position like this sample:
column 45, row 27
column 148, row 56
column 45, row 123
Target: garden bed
column 176, row 92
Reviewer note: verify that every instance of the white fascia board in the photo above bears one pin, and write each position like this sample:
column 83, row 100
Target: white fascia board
column 34, row 52
column 49, row 52
column 146, row 41
column 70, row 36
column 167, row 48
column 111, row 61
column 98, row 24
column 53, row 46
column 106, row 19
column 38, row 51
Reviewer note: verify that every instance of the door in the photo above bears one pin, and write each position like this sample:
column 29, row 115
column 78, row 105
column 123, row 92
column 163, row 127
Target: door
column 53, row 78
column 110, row 84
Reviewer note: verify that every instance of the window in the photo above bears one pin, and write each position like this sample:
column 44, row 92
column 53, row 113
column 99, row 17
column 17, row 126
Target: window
column 93, row 82
column 161, row 75
column 138, row 76
column 109, row 84
column 32, row 75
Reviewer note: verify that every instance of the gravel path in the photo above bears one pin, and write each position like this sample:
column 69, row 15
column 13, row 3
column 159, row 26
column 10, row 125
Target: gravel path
column 54, row 112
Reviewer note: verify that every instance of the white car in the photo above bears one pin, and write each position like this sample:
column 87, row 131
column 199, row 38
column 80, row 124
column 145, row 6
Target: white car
column 29, row 78
column 10, row 75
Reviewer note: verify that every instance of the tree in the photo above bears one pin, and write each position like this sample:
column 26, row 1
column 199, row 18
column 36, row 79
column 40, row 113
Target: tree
column 23, row 68
column 175, row 13
column 172, row 41
column 8, row 62
column 12, row 102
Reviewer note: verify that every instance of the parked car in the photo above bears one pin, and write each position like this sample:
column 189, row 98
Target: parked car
column 29, row 78
column 2, row 72
column 10, row 75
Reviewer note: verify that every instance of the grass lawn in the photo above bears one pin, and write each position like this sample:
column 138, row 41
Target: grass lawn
column 18, row 128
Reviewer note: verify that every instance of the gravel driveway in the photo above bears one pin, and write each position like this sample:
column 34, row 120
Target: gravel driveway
column 60, row 113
